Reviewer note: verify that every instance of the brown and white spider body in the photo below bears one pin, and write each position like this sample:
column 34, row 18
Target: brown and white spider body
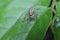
column 31, row 13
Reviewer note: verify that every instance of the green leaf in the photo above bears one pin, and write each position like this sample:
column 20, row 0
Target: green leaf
column 21, row 29
column 58, row 7
column 12, row 14
column 43, row 2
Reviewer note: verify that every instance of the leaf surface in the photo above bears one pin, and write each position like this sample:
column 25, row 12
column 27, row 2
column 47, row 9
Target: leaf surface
column 13, row 25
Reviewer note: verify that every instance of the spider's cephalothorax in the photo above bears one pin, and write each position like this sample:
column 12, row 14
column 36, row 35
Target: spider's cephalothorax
column 31, row 13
